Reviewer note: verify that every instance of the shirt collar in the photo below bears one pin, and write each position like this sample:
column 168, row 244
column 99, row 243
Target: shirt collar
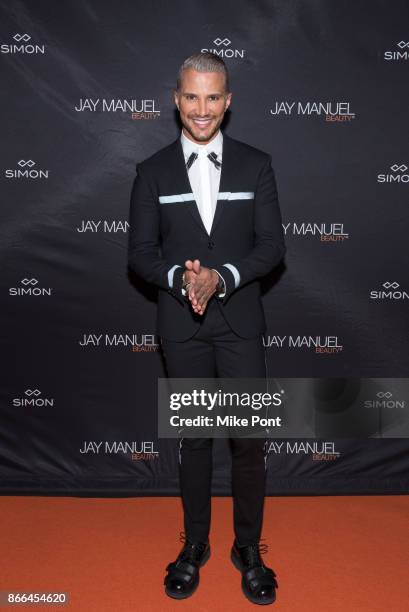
column 189, row 146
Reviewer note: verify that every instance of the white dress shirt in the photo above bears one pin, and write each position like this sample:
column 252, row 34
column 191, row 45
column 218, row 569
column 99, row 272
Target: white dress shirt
column 206, row 202
column 204, row 191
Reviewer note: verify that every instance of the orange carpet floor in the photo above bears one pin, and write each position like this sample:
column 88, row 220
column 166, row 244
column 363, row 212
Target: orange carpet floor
column 330, row 553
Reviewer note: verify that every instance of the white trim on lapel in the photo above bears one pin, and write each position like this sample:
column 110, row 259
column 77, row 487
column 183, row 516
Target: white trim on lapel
column 236, row 195
column 179, row 197
column 223, row 195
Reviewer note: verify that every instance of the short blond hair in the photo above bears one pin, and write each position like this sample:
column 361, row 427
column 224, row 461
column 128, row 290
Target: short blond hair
column 204, row 62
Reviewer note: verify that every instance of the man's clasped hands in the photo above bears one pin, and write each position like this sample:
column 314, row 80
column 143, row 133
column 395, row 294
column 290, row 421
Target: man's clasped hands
column 200, row 283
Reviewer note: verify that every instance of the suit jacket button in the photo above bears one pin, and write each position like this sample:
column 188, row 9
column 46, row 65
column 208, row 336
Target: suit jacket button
column 210, row 244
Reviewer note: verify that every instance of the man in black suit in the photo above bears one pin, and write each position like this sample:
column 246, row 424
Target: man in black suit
column 205, row 226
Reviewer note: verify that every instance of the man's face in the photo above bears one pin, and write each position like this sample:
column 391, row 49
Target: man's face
column 202, row 102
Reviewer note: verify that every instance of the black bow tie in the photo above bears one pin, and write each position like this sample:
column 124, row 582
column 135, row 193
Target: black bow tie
column 212, row 156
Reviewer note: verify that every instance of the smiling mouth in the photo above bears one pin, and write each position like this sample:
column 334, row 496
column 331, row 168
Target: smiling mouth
column 202, row 122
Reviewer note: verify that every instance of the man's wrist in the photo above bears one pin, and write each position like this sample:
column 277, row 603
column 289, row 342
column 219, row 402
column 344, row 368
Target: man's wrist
column 219, row 285
column 185, row 285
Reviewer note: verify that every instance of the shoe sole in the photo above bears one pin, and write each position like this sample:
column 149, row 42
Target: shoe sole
column 204, row 560
column 238, row 565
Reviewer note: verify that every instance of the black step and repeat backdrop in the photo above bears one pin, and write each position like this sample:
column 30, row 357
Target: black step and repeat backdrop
column 86, row 93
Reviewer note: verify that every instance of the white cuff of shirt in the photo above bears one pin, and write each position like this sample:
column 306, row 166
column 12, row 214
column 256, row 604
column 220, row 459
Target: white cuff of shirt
column 171, row 274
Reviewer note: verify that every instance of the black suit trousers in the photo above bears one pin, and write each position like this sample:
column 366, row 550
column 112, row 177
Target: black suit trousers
column 216, row 351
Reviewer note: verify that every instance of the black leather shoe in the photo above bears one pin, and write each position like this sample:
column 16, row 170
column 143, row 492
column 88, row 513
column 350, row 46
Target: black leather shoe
column 258, row 581
column 182, row 579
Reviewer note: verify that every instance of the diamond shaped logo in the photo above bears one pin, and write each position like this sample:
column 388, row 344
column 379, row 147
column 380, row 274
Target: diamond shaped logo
column 23, row 37
column 402, row 44
column 22, row 163
column 30, row 392
column 389, row 285
column 222, row 41
column 402, row 167
column 29, row 281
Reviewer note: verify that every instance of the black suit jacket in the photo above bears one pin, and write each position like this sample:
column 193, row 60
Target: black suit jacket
column 166, row 229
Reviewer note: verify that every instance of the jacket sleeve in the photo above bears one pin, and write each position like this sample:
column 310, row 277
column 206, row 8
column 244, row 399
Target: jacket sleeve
column 269, row 246
column 143, row 246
